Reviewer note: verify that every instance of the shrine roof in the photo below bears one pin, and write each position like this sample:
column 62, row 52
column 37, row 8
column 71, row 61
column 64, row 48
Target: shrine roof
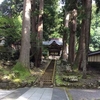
column 57, row 41
column 94, row 53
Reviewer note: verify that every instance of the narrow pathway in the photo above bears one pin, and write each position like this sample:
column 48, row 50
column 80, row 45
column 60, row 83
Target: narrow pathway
column 48, row 77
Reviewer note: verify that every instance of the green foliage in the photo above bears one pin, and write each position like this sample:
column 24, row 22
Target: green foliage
column 70, row 5
column 55, row 35
column 35, row 13
column 95, row 29
column 98, row 5
column 5, row 72
column 12, row 7
column 10, row 28
column 45, row 52
column 10, row 20
column 18, row 74
column 52, row 19
column 21, row 71
column 59, row 80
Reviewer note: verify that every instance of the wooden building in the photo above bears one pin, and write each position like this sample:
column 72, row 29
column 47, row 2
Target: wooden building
column 54, row 46
column 94, row 56
column 54, row 49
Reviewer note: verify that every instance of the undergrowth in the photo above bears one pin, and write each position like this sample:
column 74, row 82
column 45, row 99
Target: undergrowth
column 22, row 73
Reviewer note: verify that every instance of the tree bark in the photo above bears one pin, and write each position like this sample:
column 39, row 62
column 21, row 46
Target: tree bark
column 40, row 34
column 71, row 45
column 78, row 58
column 85, row 30
column 33, row 17
column 34, row 31
column 88, row 23
column 65, row 37
column 87, row 4
column 83, row 64
column 73, row 25
column 25, row 40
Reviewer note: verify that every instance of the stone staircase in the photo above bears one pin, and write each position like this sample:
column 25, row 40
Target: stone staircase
column 48, row 77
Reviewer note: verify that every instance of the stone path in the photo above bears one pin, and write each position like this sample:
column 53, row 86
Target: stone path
column 4, row 93
column 12, row 94
column 36, row 94
column 85, row 94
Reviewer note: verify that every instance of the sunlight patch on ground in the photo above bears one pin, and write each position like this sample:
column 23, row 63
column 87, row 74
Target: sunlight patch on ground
column 89, row 91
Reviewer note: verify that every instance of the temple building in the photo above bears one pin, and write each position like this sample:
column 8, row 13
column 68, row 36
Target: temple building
column 54, row 46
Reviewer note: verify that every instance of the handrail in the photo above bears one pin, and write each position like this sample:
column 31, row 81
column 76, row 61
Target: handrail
column 53, row 72
column 46, row 67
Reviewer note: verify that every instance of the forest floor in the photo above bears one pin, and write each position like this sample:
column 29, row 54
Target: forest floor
column 63, row 78
column 74, row 78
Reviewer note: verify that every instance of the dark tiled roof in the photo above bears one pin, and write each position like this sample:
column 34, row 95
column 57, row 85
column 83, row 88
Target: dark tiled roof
column 94, row 53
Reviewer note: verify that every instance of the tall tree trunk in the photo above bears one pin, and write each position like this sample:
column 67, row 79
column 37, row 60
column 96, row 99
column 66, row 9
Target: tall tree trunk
column 34, row 31
column 85, row 23
column 78, row 58
column 71, row 45
column 64, row 50
column 40, row 33
column 87, row 4
column 33, row 20
column 65, row 37
column 83, row 63
column 25, row 41
column 88, row 23
column 73, row 25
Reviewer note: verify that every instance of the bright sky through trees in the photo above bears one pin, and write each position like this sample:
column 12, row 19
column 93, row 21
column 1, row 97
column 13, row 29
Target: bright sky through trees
column 1, row 1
